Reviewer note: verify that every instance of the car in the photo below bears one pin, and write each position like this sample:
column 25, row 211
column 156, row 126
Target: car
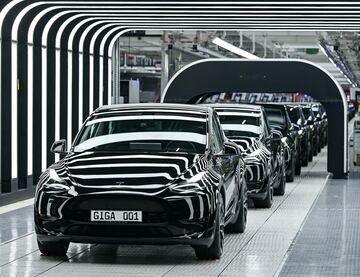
column 321, row 118
column 314, row 125
column 298, row 120
column 144, row 174
column 279, row 119
column 351, row 110
column 263, row 150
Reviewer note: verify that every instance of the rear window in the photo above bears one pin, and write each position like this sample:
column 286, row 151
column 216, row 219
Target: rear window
column 275, row 116
column 239, row 125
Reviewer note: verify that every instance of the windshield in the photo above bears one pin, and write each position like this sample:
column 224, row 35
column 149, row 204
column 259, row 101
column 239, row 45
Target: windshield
column 239, row 124
column 275, row 116
column 145, row 132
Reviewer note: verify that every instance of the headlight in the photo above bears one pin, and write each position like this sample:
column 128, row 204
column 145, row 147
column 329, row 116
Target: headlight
column 194, row 184
column 186, row 188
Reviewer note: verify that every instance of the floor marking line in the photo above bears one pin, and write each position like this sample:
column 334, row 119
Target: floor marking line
column 267, row 219
column 281, row 265
column 20, row 237
column 16, row 206
column 66, row 259
column 9, row 262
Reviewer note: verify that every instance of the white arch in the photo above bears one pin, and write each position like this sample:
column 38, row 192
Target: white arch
column 57, row 70
column 91, row 68
column 172, row 4
column 345, row 166
column 14, row 148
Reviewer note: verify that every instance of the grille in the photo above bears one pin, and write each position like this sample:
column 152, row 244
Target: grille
column 118, row 231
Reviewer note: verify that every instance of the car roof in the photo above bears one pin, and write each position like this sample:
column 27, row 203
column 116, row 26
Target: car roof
column 235, row 106
column 163, row 106
column 281, row 105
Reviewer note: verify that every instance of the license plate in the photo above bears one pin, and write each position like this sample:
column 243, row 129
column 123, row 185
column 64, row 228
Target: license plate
column 116, row 216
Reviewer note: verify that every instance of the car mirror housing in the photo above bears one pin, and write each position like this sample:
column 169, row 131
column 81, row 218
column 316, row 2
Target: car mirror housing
column 230, row 149
column 59, row 147
column 276, row 135
column 294, row 127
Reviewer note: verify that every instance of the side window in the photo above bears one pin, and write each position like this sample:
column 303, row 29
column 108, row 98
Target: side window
column 216, row 136
column 219, row 129
column 266, row 126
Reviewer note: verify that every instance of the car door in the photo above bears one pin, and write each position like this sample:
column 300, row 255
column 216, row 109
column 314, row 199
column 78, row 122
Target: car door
column 270, row 145
column 229, row 164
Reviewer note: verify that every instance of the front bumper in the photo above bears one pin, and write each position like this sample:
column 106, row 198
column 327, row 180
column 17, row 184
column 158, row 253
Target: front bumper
column 181, row 220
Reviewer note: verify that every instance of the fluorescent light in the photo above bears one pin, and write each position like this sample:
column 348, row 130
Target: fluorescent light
column 335, row 64
column 234, row 49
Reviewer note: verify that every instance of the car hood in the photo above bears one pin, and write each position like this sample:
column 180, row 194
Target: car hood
column 247, row 144
column 128, row 170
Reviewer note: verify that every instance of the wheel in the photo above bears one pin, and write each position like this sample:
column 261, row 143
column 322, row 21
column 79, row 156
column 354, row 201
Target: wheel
column 305, row 160
column 310, row 155
column 298, row 163
column 215, row 250
column 267, row 202
column 280, row 190
column 315, row 148
column 291, row 175
column 239, row 225
column 53, row 248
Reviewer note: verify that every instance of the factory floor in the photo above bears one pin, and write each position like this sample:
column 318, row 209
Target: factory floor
column 313, row 230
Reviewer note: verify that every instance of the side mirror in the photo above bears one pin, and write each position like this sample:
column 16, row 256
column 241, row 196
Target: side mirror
column 230, row 149
column 59, row 147
column 294, row 127
column 276, row 134
column 310, row 120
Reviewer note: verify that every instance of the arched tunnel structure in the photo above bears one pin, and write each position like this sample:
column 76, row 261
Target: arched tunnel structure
column 56, row 60
column 239, row 75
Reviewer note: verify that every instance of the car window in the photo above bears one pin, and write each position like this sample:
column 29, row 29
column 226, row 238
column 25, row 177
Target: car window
column 275, row 116
column 219, row 128
column 239, row 124
column 266, row 126
column 144, row 132
column 216, row 136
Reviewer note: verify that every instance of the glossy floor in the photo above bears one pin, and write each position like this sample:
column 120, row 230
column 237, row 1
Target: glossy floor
column 260, row 251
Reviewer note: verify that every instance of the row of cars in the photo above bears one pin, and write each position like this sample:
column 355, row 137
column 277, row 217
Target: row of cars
column 166, row 173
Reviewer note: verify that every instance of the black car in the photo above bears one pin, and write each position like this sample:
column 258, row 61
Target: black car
column 315, row 128
column 144, row 174
column 263, row 150
column 351, row 110
column 279, row 119
column 299, row 123
column 321, row 118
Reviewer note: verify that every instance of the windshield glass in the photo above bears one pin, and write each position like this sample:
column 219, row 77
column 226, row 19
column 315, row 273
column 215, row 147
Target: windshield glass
column 237, row 124
column 275, row 116
column 144, row 132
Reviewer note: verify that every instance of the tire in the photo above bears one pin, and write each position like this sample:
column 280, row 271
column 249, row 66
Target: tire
column 239, row 225
column 53, row 248
column 268, row 201
column 316, row 148
column 216, row 248
column 291, row 175
column 310, row 155
column 298, row 163
column 305, row 160
column 280, row 190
